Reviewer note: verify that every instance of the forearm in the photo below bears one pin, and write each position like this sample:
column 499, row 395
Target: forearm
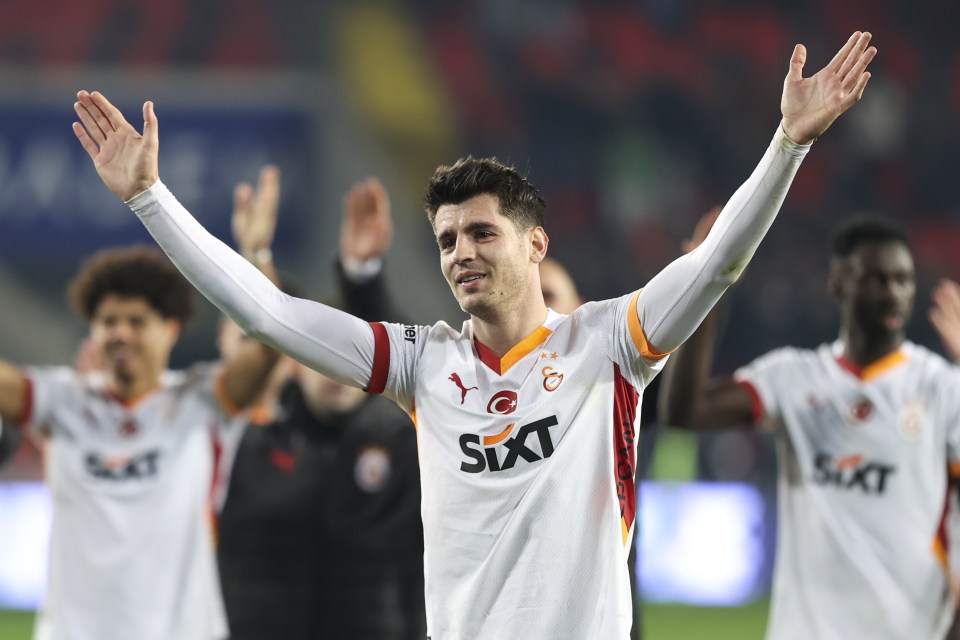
column 326, row 339
column 677, row 299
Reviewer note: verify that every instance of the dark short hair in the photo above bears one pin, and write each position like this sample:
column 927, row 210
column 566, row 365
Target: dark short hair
column 469, row 177
column 132, row 272
column 862, row 229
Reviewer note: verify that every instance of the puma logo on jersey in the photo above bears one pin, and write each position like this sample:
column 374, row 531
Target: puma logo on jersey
column 463, row 390
column 852, row 472
column 485, row 456
column 122, row 467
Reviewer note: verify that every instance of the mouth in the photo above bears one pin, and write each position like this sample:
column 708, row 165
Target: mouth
column 120, row 353
column 893, row 320
column 469, row 280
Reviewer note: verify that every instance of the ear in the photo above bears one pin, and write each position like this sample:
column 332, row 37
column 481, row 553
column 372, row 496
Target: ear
column 538, row 244
column 173, row 330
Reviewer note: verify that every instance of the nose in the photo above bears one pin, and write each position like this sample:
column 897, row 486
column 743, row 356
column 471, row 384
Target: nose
column 464, row 250
column 119, row 332
column 898, row 290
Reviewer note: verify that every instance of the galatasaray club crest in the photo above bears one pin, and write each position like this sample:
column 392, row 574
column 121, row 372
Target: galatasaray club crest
column 912, row 417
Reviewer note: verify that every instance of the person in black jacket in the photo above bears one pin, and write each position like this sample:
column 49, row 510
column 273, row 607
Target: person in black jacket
column 320, row 533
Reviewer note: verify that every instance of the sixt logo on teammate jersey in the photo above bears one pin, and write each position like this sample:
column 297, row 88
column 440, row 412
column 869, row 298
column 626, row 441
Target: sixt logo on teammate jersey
column 122, row 467
column 852, row 472
column 510, row 448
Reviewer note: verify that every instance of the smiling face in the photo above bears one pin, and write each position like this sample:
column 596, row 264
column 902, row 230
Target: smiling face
column 490, row 265
column 875, row 287
column 132, row 339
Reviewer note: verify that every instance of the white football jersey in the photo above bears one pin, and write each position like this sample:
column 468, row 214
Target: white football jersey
column 131, row 548
column 864, row 458
column 527, row 468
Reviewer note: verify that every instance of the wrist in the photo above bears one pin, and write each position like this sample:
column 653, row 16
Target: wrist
column 359, row 270
column 263, row 255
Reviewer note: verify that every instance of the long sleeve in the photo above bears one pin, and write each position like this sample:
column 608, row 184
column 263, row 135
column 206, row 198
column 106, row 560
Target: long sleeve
column 330, row 341
column 677, row 299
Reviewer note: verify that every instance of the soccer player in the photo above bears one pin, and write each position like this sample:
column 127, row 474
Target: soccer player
column 129, row 459
column 867, row 428
column 525, row 417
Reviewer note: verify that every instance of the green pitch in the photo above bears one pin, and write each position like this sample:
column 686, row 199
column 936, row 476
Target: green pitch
column 16, row 625
column 678, row 622
column 661, row 622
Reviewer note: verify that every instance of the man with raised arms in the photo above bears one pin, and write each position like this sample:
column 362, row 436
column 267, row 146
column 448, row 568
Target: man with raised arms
column 526, row 418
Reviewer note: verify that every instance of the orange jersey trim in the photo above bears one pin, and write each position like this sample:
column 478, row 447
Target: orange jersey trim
column 260, row 415
column 516, row 354
column 876, row 368
column 643, row 345
column 130, row 403
column 940, row 552
column 489, row 441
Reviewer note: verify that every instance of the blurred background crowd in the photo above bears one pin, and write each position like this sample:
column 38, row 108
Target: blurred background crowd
column 633, row 117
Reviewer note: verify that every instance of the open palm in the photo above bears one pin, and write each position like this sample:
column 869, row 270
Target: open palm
column 810, row 105
column 125, row 160
column 366, row 229
column 945, row 316
column 254, row 220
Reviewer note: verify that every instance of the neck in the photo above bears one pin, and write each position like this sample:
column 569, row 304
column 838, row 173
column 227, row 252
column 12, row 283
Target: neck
column 863, row 350
column 500, row 334
column 130, row 387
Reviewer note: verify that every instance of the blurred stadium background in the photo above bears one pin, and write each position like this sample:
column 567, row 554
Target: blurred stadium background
column 633, row 117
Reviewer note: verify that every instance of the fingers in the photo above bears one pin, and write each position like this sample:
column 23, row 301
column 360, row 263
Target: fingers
column 379, row 194
column 857, row 92
column 242, row 193
column 358, row 199
column 854, row 56
column 88, row 145
column 797, row 60
column 90, row 124
column 268, row 189
column 946, row 295
column 110, row 113
column 837, row 61
column 151, row 126
column 95, row 111
column 858, row 70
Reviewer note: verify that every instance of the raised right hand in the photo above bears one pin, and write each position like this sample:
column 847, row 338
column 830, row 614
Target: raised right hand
column 254, row 220
column 366, row 229
column 945, row 316
column 126, row 161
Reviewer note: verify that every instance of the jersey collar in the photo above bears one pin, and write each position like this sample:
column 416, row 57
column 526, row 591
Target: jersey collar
column 521, row 349
column 876, row 368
